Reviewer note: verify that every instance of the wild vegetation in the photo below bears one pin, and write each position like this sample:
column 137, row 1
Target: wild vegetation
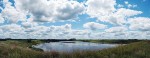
column 21, row 49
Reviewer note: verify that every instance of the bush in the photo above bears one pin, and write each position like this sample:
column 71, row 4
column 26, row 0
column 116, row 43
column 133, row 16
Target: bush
column 34, row 42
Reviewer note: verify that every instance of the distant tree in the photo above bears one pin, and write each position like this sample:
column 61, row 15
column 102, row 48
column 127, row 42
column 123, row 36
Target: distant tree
column 8, row 38
column 72, row 39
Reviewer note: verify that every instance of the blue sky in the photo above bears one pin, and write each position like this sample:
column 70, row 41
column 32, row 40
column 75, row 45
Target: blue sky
column 88, row 19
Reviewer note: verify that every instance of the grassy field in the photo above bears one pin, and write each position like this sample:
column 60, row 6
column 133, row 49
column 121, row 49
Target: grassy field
column 21, row 49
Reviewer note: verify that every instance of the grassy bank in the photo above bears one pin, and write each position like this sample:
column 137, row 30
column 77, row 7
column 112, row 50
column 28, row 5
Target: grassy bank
column 20, row 49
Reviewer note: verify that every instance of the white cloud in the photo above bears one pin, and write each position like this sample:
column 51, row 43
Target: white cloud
column 12, row 14
column 50, row 10
column 39, row 32
column 56, row 32
column 130, row 5
column 116, row 29
column 100, row 7
column 12, row 28
column 37, row 29
column 120, row 6
column 137, row 35
column 128, row 12
column 126, row 2
column 97, row 8
column 68, row 10
column 80, row 34
column 114, row 19
column 105, row 11
column 26, row 24
column 139, row 23
column 1, row 19
column 122, row 35
column 29, row 24
column 65, row 32
column 118, row 17
column 94, row 26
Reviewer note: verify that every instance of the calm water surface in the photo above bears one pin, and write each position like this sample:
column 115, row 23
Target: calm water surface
column 66, row 46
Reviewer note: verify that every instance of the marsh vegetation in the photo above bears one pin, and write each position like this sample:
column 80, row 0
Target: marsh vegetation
column 23, row 49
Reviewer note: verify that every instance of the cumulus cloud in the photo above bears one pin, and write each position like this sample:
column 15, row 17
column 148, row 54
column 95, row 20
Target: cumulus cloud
column 105, row 11
column 56, row 32
column 126, row 2
column 50, row 10
column 26, row 24
column 120, row 6
column 80, row 34
column 130, row 5
column 94, row 26
column 27, row 18
column 65, row 27
column 11, row 14
column 42, row 32
column 49, row 32
column 39, row 11
column 65, row 31
column 29, row 24
column 1, row 19
column 139, row 23
column 11, row 28
column 128, row 12
column 119, row 17
column 116, row 29
column 97, row 8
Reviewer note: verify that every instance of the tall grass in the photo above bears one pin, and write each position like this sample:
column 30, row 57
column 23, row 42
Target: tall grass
column 16, row 49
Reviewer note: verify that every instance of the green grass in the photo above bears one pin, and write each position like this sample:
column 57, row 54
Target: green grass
column 20, row 49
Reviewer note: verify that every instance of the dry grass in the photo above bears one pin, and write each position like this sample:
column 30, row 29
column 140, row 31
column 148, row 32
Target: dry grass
column 15, row 49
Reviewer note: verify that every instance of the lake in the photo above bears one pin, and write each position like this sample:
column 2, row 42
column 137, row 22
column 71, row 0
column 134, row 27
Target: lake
column 69, row 46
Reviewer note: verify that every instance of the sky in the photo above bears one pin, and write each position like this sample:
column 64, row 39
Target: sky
column 81, row 19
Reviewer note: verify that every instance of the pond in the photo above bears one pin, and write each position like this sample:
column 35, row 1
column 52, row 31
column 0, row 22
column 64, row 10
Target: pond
column 69, row 46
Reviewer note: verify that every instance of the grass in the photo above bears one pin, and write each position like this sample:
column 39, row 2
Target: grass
column 16, row 49
column 20, row 49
